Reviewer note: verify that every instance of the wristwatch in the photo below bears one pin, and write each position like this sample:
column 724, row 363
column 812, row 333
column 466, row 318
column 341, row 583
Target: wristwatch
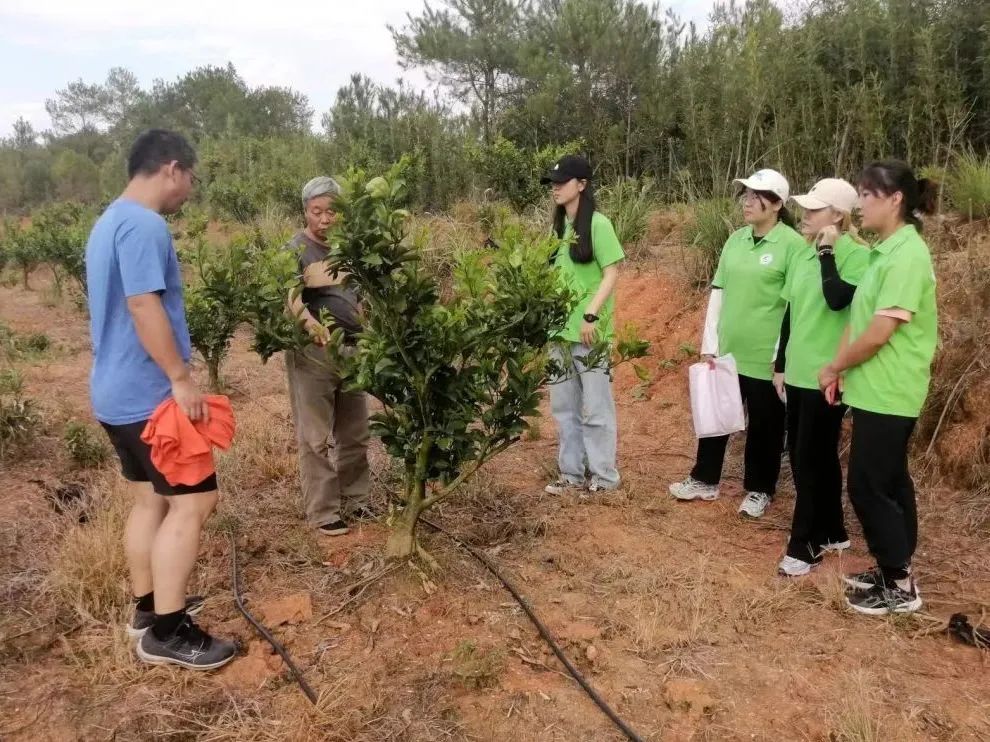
column 591, row 318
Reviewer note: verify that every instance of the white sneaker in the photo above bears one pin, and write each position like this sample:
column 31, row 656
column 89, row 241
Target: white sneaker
column 792, row 567
column 561, row 487
column 755, row 504
column 595, row 487
column 837, row 547
column 692, row 489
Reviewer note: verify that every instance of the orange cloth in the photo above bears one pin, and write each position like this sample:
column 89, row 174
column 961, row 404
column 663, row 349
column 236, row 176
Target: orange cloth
column 180, row 448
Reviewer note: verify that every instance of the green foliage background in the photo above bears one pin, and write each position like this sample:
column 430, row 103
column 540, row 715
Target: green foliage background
column 813, row 89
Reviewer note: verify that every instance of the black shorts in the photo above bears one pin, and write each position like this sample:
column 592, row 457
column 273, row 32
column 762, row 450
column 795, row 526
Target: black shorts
column 136, row 466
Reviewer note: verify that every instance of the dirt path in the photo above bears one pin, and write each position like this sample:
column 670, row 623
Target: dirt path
column 673, row 610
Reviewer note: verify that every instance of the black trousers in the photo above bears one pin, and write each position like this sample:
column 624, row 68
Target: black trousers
column 813, row 429
column 881, row 490
column 764, row 440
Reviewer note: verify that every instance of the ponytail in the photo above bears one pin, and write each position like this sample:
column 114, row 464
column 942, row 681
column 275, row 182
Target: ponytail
column 888, row 177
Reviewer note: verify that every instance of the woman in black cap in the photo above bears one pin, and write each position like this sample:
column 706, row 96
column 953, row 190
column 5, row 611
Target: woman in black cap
column 582, row 401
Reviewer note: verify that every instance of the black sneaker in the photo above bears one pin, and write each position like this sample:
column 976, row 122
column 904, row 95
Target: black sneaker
column 865, row 580
column 337, row 528
column 141, row 621
column 881, row 600
column 189, row 646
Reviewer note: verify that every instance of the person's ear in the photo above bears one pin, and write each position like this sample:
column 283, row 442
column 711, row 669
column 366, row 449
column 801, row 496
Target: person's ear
column 581, row 185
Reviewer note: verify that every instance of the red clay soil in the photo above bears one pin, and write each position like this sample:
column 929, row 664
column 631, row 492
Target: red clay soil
column 673, row 610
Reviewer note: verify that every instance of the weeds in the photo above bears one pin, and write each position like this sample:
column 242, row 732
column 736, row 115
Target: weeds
column 86, row 449
column 11, row 381
column 714, row 221
column 534, row 429
column 968, row 185
column 14, row 345
column 475, row 668
column 627, row 203
column 19, row 423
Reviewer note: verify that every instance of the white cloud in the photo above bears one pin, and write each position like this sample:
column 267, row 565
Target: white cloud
column 312, row 47
column 33, row 111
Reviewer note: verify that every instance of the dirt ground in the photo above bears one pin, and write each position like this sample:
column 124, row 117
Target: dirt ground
column 673, row 610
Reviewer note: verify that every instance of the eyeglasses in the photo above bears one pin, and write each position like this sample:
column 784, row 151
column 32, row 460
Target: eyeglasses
column 750, row 196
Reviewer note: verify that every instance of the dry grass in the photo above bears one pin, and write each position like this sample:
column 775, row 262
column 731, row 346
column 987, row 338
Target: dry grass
column 682, row 613
column 89, row 571
column 672, row 594
column 486, row 512
column 262, row 456
column 861, row 718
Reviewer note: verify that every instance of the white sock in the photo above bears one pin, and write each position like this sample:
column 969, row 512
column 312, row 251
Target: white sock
column 904, row 584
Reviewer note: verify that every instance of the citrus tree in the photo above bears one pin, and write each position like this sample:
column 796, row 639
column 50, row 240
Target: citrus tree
column 457, row 379
column 59, row 232
column 245, row 281
column 21, row 251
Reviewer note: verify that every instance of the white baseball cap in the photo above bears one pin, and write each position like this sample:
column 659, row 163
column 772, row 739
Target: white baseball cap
column 833, row 192
column 767, row 180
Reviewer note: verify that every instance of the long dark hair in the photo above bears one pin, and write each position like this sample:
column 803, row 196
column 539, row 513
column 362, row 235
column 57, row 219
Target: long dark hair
column 784, row 215
column 887, row 177
column 582, row 251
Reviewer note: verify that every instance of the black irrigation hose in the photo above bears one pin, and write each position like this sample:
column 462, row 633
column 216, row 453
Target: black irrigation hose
column 306, row 688
column 544, row 632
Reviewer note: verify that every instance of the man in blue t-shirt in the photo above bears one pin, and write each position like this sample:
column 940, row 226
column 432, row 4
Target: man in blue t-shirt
column 141, row 353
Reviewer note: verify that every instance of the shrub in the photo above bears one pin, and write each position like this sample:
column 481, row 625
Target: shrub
column 86, row 448
column 627, row 202
column 968, row 185
column 514, row 173
column 19, row 423
column 14, row 345
column 21, row 251
column 59, row 232
column 457, row 379
column 215, row 301
column 11, row 381
column 714, row 221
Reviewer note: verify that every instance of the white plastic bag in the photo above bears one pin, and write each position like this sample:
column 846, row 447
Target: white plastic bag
column 716, row 402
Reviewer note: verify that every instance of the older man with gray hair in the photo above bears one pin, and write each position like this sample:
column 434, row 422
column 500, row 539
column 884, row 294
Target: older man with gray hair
column 331, row 424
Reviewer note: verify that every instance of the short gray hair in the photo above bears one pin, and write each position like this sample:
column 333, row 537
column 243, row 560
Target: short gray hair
column 321, row 185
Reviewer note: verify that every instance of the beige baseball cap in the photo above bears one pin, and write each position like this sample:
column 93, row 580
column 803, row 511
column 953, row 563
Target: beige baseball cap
column 767, row 180
column 833, row 192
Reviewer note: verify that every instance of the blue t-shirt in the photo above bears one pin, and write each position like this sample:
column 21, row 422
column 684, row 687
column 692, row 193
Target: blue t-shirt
column 130, row 252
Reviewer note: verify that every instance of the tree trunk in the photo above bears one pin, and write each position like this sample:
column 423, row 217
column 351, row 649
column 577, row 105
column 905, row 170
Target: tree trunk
column 401, row 542
column 57, row 277
column 213, row 366
column 25, row 272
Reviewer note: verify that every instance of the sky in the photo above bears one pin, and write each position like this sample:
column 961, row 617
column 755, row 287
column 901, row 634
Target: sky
column 312, row 47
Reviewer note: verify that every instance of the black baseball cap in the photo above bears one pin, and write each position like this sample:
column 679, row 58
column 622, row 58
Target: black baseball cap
column 567, row 168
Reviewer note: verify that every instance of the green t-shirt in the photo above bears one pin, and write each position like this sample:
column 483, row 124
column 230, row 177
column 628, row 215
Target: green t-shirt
column 815, row 329
column 585, row 278
column 751, row 276
column 899, row 276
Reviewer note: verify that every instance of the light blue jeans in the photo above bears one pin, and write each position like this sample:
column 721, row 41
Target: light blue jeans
column 583, row 407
